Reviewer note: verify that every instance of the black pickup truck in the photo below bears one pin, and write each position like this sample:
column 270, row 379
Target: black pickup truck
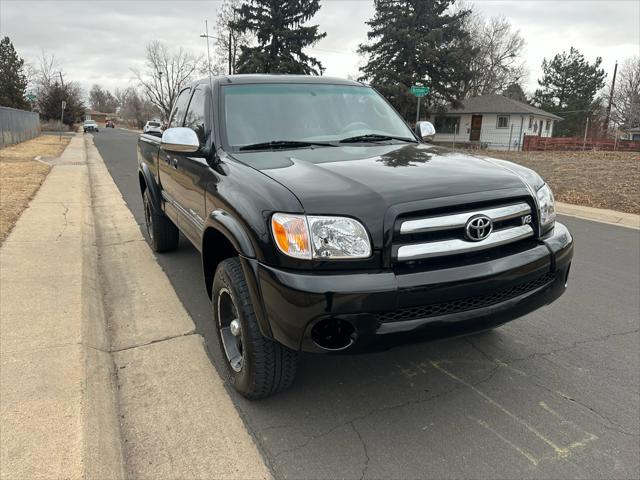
column 326, row 224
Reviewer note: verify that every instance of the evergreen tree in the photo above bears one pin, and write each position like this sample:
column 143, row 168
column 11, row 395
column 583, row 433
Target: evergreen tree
column 13, row 81
column 281, row 37
column 568, row 87
column 514, row 91
column 417, row 40
column 50, row 103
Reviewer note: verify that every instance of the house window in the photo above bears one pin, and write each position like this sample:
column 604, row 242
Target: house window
column 547, row 126
column 535, row 127
column 448, row 125
column 530, row 123
column 503, row 121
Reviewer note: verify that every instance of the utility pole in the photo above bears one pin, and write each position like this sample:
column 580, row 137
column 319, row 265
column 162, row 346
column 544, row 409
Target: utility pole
column 61, row 80
column 63, row 106
column 613, row 86
column 230, row 56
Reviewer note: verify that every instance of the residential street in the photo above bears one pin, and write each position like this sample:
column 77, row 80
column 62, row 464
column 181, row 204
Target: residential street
column 552, row 395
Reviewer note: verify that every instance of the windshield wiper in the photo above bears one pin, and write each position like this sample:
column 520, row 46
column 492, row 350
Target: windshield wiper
column 374, row 137
column 275, row 144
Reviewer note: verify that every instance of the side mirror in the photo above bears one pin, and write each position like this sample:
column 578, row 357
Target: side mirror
column 180, row 139
column 425, row 130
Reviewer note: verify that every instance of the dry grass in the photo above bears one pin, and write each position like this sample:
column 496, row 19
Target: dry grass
column 21, row 176
column 594, row 179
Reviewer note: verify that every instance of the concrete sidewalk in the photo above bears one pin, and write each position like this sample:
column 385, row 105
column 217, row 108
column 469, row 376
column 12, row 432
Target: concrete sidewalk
column 57, row 394
column 101, row 374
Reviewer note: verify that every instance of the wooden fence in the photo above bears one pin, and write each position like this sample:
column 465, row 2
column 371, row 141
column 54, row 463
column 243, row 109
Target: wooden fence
column 535, row 143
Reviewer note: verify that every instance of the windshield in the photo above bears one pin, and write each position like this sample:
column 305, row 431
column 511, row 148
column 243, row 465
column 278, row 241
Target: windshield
column 154, row 124
column 263, row 113
column 89, row 122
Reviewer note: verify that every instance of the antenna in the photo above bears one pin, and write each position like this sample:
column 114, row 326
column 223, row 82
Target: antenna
column 206, row 35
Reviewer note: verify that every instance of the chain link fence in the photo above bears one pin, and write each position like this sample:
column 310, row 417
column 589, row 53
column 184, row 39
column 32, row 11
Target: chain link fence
column 17, row 126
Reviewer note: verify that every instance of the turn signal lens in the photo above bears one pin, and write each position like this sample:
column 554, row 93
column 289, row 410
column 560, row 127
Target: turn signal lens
column 291, row 234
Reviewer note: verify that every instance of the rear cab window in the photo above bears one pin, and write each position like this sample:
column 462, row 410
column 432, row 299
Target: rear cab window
column 195, row 118
column 179, row 109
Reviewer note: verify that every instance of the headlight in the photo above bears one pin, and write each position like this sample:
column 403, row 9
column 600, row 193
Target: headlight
column 547, row 206
column 321, row 237
column 338, row 237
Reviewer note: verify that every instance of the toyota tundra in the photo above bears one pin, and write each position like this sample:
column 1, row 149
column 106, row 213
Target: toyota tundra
column 325, row 224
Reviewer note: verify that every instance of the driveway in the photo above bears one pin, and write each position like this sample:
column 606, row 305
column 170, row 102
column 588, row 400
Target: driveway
column 554, row 394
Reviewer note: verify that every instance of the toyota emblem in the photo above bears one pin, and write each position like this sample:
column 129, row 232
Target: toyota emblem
column 478, row 228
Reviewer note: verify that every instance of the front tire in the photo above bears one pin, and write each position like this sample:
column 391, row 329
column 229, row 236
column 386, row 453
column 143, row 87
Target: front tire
column 258, row 367
column 162, row 234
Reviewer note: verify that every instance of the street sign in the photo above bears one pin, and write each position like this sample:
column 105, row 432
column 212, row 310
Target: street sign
column 419, row 90
column 31, row 97
column 64, row 104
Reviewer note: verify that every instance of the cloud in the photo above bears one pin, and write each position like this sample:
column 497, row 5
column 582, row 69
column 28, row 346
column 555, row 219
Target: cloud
column 99, row 42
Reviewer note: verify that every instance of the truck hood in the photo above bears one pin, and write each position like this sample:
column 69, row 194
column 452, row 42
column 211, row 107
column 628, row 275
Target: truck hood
column 364, row 181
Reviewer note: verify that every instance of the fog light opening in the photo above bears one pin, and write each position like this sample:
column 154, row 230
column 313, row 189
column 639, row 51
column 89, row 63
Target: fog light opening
column 333, row 334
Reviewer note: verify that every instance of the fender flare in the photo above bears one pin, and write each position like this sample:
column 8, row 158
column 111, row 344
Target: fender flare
column 231, row 228
column 152, row 186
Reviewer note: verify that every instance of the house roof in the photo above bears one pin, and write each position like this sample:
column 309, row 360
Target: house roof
column 495, row 103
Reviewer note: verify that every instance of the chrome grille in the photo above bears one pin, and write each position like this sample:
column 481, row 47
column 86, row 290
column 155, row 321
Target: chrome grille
column 443, row 235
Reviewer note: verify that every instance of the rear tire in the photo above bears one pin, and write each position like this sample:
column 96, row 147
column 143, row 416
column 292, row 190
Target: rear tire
column 258, row 367
column 162, row 234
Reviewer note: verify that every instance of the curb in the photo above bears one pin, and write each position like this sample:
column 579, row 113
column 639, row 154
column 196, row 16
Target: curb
column 176, row 419
column 610, row 217
column 104, row 451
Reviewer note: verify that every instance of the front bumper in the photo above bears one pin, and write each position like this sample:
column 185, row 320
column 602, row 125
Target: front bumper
column 386, row 309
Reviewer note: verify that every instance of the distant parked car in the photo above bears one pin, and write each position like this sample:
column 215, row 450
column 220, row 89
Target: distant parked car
column 153, row 127
column 110, row 124
column 90, row 126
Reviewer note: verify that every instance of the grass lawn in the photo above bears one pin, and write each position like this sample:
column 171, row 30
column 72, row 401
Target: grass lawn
column 594, row 179
column 21, row 175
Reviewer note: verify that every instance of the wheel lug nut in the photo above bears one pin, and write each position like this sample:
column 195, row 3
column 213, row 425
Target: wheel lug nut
column 235, row 327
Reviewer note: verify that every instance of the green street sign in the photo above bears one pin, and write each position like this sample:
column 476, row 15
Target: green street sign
column 31, row 97
column 419, row 90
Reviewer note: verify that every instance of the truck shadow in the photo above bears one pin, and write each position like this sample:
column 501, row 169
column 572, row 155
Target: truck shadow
column 442, row 407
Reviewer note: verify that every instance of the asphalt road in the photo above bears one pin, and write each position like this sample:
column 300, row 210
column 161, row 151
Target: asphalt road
column 554, row 394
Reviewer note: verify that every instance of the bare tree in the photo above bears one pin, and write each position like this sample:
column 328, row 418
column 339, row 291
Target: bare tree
column 498, row 63
column 102, row 100
column 133, row 108
column 165, row 74
column 626, row 97
column 229, row 41
column 52, row 87
column 46, row 72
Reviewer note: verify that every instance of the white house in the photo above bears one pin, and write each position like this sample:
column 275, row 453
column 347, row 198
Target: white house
column 492, row 121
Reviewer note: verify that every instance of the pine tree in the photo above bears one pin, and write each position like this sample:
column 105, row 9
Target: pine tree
column 50, row 103
column 514, row 91
column 13, row 81
column 569, row 85
column 417, row 41
column 281, row 37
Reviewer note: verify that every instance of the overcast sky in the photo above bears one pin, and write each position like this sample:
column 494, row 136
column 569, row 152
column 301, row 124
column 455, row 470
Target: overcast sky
column 99, row 42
